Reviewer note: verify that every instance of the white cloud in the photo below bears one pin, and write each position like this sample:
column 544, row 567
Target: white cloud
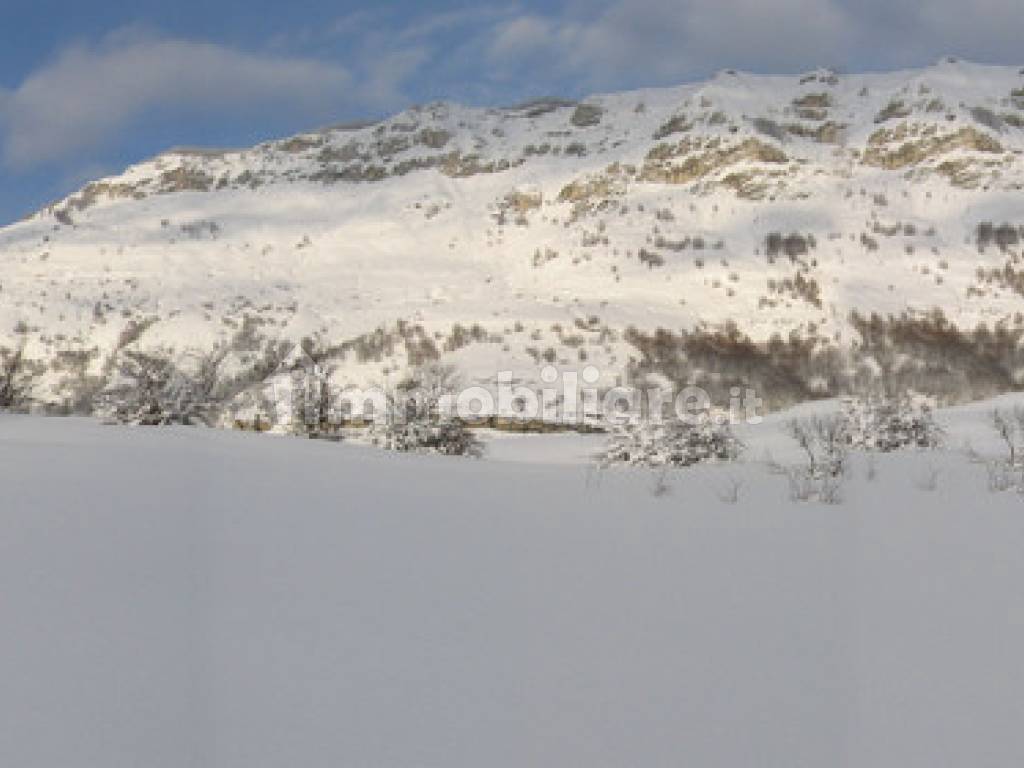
column 522, row 37
column 784, row 34
column 624, row 43
column 987, row 30
column 90, row 93
column 487, row 53
column 385, row 74
column 448, row 22
column 646, row 41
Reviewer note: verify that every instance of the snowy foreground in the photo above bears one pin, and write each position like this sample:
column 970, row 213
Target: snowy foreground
column 200, row 598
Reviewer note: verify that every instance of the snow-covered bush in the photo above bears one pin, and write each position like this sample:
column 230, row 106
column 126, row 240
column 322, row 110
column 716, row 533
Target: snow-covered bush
column 884, row 425
column 671, row 442
column 449, row 437
column 418, row 420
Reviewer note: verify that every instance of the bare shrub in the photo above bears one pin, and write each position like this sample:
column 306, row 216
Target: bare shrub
column 586, row 115
column 806, row 485
column 987, row 118
column 769, row 128
column 791, row 245
column 823, row 440
column 1001, row 477
column 1007, row 474
column 660, row 487
column 730, row 492
column 1010, row 428
column 1003, row 236
column 870, row 468
column 928, row 479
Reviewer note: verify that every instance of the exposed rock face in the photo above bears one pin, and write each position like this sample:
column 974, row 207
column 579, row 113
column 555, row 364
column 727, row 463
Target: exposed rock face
column 912, row 145
column 689, row 160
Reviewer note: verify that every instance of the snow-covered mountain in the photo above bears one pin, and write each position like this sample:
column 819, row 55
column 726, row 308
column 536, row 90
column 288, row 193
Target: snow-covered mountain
column 741, row 229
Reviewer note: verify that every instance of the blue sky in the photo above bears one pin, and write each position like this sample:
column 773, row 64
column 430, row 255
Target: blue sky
column 87, row 88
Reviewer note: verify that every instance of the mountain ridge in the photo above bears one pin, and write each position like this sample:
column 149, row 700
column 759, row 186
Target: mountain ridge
column 764, row 208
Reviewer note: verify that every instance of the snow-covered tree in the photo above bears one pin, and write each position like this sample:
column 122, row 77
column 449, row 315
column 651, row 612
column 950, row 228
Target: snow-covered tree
column 302, row 392
column 150, row 390
column 311, row 402
column 419, row 418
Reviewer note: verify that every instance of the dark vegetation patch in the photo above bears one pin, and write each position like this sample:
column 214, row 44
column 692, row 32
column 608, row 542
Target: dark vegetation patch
column 1002, row 236
column 893, row 354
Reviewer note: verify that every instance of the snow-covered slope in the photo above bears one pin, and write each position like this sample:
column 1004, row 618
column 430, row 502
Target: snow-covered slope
column 213, row 599
column 503, row 238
